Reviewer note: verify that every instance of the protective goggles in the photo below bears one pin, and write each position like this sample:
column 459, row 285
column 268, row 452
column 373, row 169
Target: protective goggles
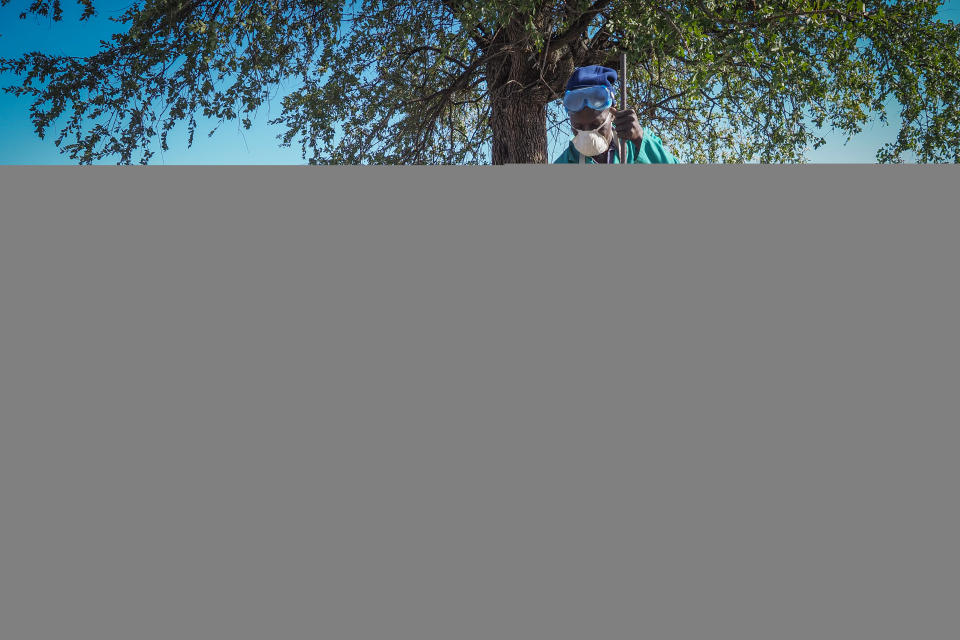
column 596, row 97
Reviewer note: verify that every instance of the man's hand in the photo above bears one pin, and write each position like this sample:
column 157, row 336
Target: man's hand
column 627, row 125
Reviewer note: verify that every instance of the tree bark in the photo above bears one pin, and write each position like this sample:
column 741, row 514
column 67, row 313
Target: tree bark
column 519, row 129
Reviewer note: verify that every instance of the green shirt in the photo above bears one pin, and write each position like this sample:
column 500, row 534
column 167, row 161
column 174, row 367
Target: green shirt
column 649, row 151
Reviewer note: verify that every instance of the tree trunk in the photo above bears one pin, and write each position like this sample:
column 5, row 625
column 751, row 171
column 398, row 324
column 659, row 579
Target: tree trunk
column 519, row 124
column 518, row 104
column 521, row 82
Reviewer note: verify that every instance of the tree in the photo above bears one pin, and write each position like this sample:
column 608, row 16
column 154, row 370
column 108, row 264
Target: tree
column 435, row 81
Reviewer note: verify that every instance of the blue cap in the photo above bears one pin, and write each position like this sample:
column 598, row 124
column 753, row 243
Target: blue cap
column 592, row 75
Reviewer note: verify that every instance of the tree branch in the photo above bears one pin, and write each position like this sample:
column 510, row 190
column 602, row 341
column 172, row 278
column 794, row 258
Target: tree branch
column 580, row 25
column 406, row 55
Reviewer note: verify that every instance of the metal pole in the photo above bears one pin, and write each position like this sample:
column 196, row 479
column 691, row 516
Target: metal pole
column 623, row 101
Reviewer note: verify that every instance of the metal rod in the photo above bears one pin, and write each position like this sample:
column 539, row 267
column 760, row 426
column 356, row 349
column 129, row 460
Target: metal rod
column 623, row 101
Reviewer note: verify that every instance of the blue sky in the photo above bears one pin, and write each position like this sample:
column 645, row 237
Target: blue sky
column 19, row 143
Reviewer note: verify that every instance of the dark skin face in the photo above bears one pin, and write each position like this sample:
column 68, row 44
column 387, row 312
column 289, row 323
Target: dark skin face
column 625, row 122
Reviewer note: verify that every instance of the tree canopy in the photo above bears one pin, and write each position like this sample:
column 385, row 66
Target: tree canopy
column 440, row 81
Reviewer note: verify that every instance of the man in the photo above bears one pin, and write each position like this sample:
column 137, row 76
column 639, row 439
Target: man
column 599, row 127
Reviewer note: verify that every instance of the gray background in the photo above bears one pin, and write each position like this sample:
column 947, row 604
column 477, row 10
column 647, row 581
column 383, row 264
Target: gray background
column 355, row 403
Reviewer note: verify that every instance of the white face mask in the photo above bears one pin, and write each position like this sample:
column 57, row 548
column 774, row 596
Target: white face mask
column 591, row 143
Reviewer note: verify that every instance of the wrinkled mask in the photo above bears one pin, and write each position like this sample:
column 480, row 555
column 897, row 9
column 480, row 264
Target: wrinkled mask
column 592, row 143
